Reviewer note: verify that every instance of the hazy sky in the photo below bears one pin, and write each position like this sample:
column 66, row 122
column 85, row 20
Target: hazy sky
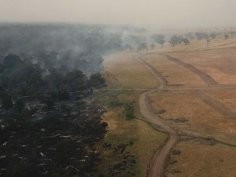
column 163, row 13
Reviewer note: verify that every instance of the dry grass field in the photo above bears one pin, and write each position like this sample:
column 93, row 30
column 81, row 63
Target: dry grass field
column 197, row 159
column 199, row 98
column 175, row 75
column 227, row 97
column 186, row 111
column 143, row 140
column 219, row 64
column 125, row 71
column 210, row 112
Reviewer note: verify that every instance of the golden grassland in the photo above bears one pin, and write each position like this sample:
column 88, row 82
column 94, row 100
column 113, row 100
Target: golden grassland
column 227, row 97
column 125, row 71
column 197, row 158
column 145, row 140
column 202, row 160
column 219, row 64
column 201, row 117
column 175, row 74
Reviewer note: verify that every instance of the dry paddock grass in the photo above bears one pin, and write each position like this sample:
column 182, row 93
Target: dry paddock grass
column 200, row 116
column 201, row 160
column 228, row 97
column 125, row 71
column 219, row 64
column 146, row 140
column 176, row 75
column 197, row 159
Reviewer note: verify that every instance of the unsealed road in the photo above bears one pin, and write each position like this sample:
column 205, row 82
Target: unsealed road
column 205, row 77
column 159, row 159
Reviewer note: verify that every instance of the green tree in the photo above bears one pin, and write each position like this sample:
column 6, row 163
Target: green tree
column 186, row 41
column 174, row 40
column 159, row 38
column 213, row 35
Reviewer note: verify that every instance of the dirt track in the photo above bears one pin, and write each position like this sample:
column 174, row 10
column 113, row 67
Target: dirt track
column 158, row 163
column 218, row 106
column 159, row 159
column 205, row 77
column 156, row 73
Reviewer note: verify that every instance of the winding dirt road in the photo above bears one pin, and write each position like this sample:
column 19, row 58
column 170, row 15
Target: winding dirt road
column 205, row 77
column 159, row 159
column 158, row 164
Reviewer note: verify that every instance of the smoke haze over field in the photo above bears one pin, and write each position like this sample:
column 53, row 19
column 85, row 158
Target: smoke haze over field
column 162, row 13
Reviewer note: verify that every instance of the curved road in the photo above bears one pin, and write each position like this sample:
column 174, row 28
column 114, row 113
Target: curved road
column 159, row 159
column 158, row 164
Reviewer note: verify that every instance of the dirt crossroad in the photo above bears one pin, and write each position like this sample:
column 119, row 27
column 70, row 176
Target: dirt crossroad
column 159, row 158
column 157, row 164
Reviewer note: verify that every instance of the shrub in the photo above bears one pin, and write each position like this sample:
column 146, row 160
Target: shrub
column 129, row 111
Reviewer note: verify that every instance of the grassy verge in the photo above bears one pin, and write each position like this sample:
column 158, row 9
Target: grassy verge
column 130, row 142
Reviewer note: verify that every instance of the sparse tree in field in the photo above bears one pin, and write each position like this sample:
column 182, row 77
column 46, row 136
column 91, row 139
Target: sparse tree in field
column 159, row 38
column 186, row 41
column 213, row 35
column 175, row 40
column 204, row 36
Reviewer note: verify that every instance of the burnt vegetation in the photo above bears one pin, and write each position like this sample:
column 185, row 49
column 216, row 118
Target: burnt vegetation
column 49, row 123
